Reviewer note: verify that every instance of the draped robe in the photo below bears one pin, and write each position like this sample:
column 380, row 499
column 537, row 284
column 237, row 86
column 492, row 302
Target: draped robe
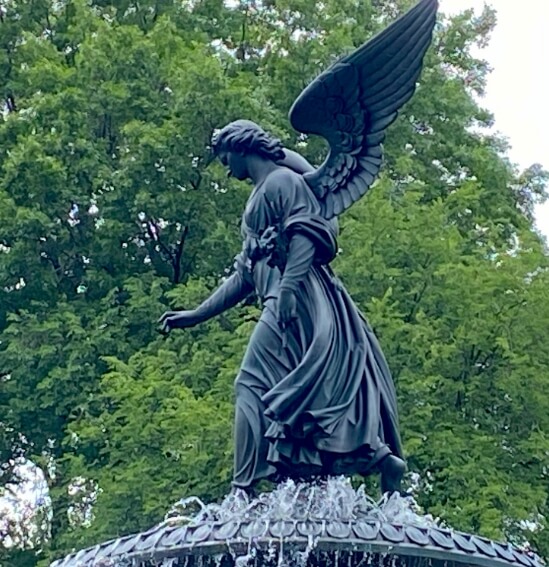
column 316, row 397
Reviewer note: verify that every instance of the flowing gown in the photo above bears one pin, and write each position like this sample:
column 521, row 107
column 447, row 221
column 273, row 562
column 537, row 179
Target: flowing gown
column 316, row 397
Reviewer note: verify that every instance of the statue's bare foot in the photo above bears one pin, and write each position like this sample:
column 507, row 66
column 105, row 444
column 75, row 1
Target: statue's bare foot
column 392, row 470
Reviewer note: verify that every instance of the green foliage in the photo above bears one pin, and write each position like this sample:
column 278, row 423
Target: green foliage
column 110, row 107
column 461, row 327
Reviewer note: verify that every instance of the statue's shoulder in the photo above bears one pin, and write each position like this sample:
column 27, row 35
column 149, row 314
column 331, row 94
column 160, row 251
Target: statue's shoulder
column 281, row 179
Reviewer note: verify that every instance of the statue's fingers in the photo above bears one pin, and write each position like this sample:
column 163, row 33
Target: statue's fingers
column 284, row 318
column 166, row 325
column 166, row 315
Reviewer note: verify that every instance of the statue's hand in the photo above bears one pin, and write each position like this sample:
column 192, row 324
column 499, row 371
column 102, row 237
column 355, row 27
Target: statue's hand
column 287, row 307
column 178, row 320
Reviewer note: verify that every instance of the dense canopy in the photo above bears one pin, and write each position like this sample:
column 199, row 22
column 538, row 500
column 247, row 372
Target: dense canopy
column 108, row 216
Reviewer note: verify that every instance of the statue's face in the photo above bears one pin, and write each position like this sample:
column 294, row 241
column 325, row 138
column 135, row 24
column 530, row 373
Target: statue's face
column 236, row 164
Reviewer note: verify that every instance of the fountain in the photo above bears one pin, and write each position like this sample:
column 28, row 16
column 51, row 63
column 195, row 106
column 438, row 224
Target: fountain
column 314, row 397
column 326, row 522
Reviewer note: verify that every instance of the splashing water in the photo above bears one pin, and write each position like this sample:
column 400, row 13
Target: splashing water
column 328, row 502
column 332, row 499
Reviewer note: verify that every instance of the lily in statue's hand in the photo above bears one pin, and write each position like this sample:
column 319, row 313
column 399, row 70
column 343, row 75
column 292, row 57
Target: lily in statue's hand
column 287, row 307
column 178, row 320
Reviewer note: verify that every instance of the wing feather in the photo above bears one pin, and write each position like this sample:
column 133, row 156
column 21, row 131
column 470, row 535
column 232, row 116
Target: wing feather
column 367, row 177
column 329, row 205
column 393, row 86
column 392, row 103
column 371, row 165
column 385, row 43
column 376, row 138
column 382, row 122
column 374, row 151
column 347, row 199
column 338, row 203
column 353, row 103
column 403, row 52
column 355, row 190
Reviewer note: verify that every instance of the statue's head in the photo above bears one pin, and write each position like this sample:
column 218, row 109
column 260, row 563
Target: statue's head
column 242, row 138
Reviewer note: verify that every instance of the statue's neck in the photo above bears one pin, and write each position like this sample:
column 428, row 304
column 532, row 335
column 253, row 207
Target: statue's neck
column 260, row 168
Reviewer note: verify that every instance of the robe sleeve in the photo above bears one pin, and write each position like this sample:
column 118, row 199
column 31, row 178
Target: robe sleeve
column 300, row 258
column 294, row 209
column 242, row 267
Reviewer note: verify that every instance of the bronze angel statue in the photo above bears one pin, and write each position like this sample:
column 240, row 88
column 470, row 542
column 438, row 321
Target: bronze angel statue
column 314, row 395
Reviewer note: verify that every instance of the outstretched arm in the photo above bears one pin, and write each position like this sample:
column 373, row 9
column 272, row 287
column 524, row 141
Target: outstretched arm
column 233, row 290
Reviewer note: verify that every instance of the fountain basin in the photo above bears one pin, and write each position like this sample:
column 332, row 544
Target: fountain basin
column 301, row 524
column 306, row 543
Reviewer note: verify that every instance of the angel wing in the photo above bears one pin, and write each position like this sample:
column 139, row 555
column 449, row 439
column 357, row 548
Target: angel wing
column 353, row 102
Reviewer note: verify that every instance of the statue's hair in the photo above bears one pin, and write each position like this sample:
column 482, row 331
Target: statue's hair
column 244, row 136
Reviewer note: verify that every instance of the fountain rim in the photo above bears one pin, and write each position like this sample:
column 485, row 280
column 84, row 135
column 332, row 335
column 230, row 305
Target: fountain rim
column 486, row 553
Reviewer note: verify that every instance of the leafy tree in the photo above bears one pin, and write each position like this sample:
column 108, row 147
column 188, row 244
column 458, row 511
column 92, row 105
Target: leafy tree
column 108, row 215
column 460, row 328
